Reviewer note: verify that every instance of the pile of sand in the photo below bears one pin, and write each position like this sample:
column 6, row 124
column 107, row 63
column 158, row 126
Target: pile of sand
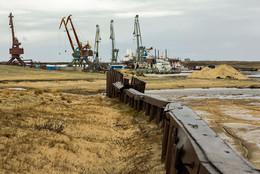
column 222, row 72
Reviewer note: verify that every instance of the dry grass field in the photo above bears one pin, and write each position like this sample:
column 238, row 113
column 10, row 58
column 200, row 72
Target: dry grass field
column 52, row 132
column 89, row 83
column 62, row 123
column 9, row 73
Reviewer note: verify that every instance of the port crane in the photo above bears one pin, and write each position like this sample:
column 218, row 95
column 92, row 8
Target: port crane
column 15, row 51
column 140, row 48
column 96, row 47
column 112, row 37
column 81, row 52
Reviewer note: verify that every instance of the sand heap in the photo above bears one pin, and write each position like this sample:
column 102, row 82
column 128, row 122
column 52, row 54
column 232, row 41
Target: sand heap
column 222, row 72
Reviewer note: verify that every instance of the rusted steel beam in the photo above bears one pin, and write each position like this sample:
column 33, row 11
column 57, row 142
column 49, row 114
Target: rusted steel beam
column 159, row 114
column 153, row 112
column 139, row 105
column 165, row 138
column 125, row 81
column 155, row 101
column 147, row 109
column 118, row 85
column 126, row 99
column 131, row 103
column 134, row 93
column 138, row 84
column 112, row 77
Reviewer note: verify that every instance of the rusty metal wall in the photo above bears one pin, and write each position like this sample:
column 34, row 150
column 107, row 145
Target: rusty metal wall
column 189, row 145
column 112, row 77
column 138, row 84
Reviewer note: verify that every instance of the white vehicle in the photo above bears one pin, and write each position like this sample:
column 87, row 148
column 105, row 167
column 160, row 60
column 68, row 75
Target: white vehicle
column 162, row 66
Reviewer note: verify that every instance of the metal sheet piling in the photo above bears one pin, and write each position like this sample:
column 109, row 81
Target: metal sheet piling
column 189, row 145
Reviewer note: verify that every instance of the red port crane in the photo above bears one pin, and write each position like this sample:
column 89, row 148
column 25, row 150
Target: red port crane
column 15, row 51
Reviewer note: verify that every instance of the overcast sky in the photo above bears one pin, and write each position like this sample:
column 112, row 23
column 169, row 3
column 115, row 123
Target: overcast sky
column 195, row 29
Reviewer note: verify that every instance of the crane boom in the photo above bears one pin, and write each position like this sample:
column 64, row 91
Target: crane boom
column 74, row 31
column 66, row 28
column 12, row 28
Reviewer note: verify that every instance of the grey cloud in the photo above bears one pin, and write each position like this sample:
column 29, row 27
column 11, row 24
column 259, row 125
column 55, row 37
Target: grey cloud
column 216, row 29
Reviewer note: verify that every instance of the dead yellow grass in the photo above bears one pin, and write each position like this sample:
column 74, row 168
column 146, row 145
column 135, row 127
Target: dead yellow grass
column 52, row 132
column 21, row 73
column 99, row 135
column 79, row 86
column 93, row 82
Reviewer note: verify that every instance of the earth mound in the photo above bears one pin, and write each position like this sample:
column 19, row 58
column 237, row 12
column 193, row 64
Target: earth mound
column 221, row 72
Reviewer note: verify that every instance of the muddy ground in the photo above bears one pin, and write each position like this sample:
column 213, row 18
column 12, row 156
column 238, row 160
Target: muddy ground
column 235, row 121
column 234, row 114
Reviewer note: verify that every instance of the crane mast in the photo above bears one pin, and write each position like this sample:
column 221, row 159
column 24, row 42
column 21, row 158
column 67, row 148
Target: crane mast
column 96, row 47
column 112, row 37
column 15, row 51
column 140, row 49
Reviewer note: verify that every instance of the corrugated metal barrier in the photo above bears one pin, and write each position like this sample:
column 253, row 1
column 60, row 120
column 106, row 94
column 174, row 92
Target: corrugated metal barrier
column 189, row 145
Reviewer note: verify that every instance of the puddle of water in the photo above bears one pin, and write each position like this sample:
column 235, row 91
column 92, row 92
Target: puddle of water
column 256, row 76
column 204, row 113
column 239, row 97
column 248, row 132
column 252, row 74
column 211, row 93
column 18, row 89
column 254, row 104
column 241, row 114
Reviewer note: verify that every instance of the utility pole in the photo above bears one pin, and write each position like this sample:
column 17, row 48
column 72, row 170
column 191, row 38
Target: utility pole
column 112, row 37
column 15, row 51
column 96, row 47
